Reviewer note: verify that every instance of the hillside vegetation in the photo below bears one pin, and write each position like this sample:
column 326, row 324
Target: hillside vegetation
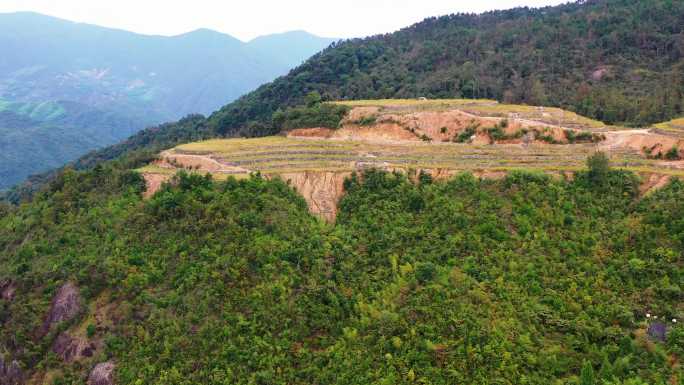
column 522, row 280
column 618, row 61
column 35, row 137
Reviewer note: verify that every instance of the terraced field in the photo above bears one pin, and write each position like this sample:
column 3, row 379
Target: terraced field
column 277, row 155
column 673, row 127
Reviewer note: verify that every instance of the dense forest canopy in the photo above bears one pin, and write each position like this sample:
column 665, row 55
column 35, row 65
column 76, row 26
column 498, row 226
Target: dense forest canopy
column 523, row 280
column 619, row 61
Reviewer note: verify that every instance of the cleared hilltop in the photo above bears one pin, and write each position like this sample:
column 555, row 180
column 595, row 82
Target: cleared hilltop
column 439, row 137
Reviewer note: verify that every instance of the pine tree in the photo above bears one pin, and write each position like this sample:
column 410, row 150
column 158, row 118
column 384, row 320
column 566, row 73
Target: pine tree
column 587, row 374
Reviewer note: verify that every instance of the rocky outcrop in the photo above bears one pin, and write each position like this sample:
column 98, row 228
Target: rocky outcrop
column 10, row 373
column 66, row 304
column 71, row 349
column 102, row 374
column 7, row 290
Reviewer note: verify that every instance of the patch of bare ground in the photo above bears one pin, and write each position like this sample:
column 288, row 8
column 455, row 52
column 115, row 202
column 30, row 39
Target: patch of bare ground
column 153, row 183
column 643, row 140
column 652, row 182
column 387, row 125
column 321, row 190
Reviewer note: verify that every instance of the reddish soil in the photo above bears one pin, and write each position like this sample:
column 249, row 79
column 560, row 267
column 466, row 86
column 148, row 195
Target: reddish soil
column 153, row 183
column 438, row 126
column 641, row 139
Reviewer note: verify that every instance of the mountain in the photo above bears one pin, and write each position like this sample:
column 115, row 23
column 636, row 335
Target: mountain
column 581, row 56
column 289, row 47
column 626, row 69
column 134, row 80
column 518, row 278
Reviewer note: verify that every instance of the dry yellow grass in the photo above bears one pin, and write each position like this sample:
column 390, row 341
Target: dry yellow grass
column 550, row 115
column 674, row 125
column 154, row 169
column 278, row 155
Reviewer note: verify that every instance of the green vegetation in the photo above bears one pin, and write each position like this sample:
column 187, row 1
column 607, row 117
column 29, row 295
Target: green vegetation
column 672, row 154
column 367, row 120
column 467, row 133
column 496, row 132
column 461, row 56
column 523, row 280
column 314, row 113
column 583, row 136
column 37, row 137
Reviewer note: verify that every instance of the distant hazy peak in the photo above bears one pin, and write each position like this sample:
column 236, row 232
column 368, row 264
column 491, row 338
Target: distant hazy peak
column 299, row 33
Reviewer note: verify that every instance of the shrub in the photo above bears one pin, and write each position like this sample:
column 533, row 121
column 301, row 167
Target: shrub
column 583, row 137
column 496, row 133
column 90, row 330
column 672, row 154
column 367, row 120
column 466, row 134
column 425, row 271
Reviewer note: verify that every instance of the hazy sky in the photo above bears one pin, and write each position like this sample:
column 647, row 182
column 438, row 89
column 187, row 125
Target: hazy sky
column 247, row 19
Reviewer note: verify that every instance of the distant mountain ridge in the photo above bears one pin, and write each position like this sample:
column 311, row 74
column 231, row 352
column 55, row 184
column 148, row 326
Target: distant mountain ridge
column 139, row 79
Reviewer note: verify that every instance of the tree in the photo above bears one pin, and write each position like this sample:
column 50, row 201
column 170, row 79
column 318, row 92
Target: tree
column 599, row 167
column 587, row 374
column 313, row 99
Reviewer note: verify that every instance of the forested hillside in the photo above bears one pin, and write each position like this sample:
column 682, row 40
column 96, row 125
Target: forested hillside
column 618, row 61
column 35, row 137
column 523, row 280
